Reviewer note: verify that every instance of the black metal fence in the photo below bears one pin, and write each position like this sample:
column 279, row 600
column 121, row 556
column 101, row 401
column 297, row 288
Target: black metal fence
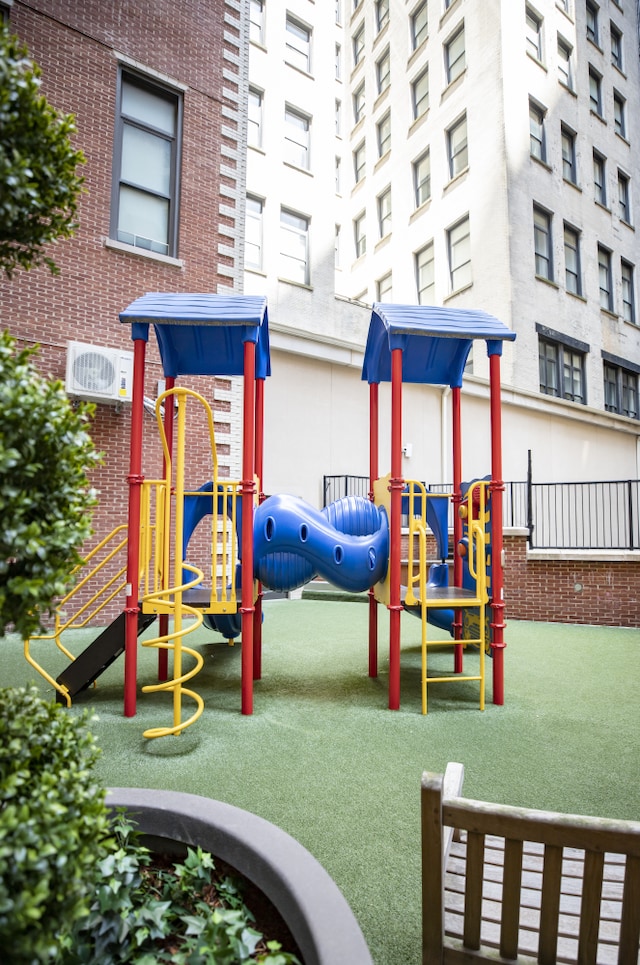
column 601, row 515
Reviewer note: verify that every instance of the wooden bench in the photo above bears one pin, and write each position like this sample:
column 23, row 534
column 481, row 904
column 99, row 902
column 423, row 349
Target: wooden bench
column 508, row 884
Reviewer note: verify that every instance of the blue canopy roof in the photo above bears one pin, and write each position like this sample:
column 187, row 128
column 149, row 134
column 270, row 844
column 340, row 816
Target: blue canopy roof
column 435, row 341
column 202, row 334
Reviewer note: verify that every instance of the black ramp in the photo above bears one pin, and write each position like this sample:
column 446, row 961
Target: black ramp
column 99, row 655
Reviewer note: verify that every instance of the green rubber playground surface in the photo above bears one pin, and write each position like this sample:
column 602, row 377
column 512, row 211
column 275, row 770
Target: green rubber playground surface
column 324, row 759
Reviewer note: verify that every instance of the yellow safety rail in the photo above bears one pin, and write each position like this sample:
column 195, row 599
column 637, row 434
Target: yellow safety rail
column 455, row 598
column 112, row 545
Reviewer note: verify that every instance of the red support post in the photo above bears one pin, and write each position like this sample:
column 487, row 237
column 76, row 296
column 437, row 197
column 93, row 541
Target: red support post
column 259, row 471
column 456, row 430
column 163, row 619
column 247, row 489
column 135, row 480
column 497, row 488
column 374, row 473
column 396, row 485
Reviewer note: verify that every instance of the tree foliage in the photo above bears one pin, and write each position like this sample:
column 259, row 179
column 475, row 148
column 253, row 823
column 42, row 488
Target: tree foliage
column 39, row 186
column 45, row 452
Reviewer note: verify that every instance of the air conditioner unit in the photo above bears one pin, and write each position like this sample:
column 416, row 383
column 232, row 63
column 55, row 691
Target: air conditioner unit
column 98, row 373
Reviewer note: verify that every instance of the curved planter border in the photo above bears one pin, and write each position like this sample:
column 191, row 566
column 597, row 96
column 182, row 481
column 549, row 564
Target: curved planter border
column 308, row 899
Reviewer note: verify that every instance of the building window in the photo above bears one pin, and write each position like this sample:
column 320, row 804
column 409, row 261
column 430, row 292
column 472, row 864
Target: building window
column 620, row 114
column 569, row 166
column 294, row 247
column 338, row 171
column 565, row 65
column 336, row 249
column 383, row 133
column 338, row 12
column 616, row 47
column 628, row 292
column 542, row 241
column 384, row 213
column 338, row 118
column 537, row 140
column 605, row 278
column 534, row 34
column 146, row 175
column 620, row 388
column 256, row 21
column 454, row 56
column 624, row 198
column 595, row 91
column 338, row 62
column 425, row 274
column 600, row 178
column 297, row 129
column 457, row 147
column 360, row 235
column 459, row 252
column 357, row 45
column 419, row 25
column 254, row 120
column 359, row 159
column 298, row 45
column 422, row 179
column 420, row 94
column 383, row 72
column 383, row 288
column 592, row 22
column 572, row 271
column 561, row 367
column 358, row 103
column 253, row 234
column 382, row 14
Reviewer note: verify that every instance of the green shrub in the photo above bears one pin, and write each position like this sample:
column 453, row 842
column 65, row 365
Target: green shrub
column 45, row 450
column 53, row 825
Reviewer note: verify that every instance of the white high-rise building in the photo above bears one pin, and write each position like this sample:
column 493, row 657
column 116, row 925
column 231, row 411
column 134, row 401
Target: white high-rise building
column 449, row 152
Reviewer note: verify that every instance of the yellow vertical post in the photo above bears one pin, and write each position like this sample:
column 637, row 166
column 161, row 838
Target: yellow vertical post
column 177, row 559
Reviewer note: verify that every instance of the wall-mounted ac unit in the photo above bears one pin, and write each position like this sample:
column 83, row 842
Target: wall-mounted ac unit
column 98, row 373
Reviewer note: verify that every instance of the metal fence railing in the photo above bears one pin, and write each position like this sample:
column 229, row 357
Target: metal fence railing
column 601, row 515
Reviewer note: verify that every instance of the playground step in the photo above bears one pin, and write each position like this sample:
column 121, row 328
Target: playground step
column 323, row 590
column 99, row 655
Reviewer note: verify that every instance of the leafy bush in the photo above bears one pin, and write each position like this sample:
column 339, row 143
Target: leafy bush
column 39, row 187
column 45, row 450
column 53, row 825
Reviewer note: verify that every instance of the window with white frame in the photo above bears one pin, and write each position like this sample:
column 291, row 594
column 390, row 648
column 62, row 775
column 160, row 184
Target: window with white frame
column 537, row 139
column 620, row 114
column 561, row 365
column 624, row 197
column 628, row 292
column 297, row 131
column 605, row 278
column 533, row 33
column 455, row 56
column 256, row 21
column 357, row 45
column 457, row 147
column 617, row 52
column 359, row 162
column 383, row 71
column 620, row 386
column 358, row 103
column 146, row 169
column 384, row 291
column 425, row 274
column 253, row 233
column 459, row 253
column 592, row 10
column 382, row 14
column 338, row 12
column 572, row 269
column 254, row 119
column 383, row 134
column 565, row 62
column 419, row 25
column 383, row 204
column 542, row 243
column 568, row 148
column 422, row 179
column 595, row 91
column 294, row 247
column 600, row 178
column 298, row 45
column 420, row 94
column 338, row 118
column 337, row 253
column 338, row 171
column 338, row 62
column 360, row 235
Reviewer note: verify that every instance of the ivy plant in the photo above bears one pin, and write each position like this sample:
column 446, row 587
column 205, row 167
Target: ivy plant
column 45, row 494
column 39, row 183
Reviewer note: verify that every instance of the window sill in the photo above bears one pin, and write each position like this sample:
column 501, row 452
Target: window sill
column 418, row 122
column 422, row 209
column 461, row 176
column 453, row 85
column 569, row 90
column 604, row 207
column 448, row 12
column 627, row 224
column 458, row 291
column 538, row 160
column 382, row 161
column 295, row 167
column 142, row 253
column 572, row 184
column 597, row 115
column 537, row 61
column 578, row 295
column 383, row 242
column 609, row 313
column 547, row 281
column 296, row 284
